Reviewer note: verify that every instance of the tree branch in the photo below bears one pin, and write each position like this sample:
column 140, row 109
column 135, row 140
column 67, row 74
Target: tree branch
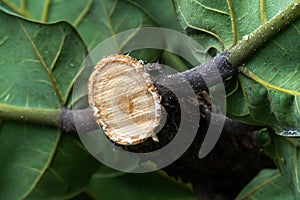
column 252, row 43
column 88, row 124
column 224, row 62
column 237, row 140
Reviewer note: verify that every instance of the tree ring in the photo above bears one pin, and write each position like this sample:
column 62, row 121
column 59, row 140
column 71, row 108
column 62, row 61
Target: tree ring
column 123, row 99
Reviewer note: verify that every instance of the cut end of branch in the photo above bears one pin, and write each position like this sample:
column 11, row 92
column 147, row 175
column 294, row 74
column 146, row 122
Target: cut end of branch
column 123, row 99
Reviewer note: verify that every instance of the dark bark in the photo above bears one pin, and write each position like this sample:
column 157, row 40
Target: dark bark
column 228, row 168
column 197, row 78
column 233, row 162
column 201, row 77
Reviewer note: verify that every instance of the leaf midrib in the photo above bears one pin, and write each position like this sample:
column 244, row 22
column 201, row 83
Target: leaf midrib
column 46, row 68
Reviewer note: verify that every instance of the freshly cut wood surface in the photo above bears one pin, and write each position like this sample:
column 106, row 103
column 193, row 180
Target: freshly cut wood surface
column 123, row 99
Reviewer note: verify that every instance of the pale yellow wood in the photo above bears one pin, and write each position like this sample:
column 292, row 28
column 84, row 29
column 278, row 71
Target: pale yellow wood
column 123, row 99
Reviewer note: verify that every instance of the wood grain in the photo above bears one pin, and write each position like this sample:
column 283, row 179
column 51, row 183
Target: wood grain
column 123, row 99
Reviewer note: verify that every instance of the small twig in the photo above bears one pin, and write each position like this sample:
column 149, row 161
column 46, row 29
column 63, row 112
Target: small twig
column 249, row 46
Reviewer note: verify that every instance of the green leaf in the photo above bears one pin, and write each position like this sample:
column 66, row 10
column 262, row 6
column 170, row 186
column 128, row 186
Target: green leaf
column 68, row 173
column 286, row 154
column 268, row 185
column 96, row 20
column 162, row 12
column 220, row 24
column 268, row 92
column 25, row 153
column 107, row 18
column 38, row 65
column 44, row 57
column 271, row 84
column 203, row 20
column 136, row 186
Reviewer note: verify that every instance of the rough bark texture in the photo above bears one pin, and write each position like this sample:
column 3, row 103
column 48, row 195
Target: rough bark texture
column 233, row 162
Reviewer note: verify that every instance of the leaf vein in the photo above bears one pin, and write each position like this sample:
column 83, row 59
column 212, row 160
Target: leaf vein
column 5, row 93
column 54, row 84
column 46, row 10
column 73, row 81
column 249, row 74
column 31, row 61
column 112, row 10
column 107, row 16
column 30, row 168
column 3, row 40
column 269, row 180
column 58, row 176
column 16, row 9
column 44, row 168
column 281, row 47
column 68, row 158
column 289, row 79
column 23, row 5
column 58, row 53
column 202, row 30
column 209, row 8
column 272, row 105
column 233, row 24
column 143, row 10
column 129, row 38
column 296, row 28
column 43, row 81
column 297, row 105
column 263, row 15
column 83, row 13
column 297, row 169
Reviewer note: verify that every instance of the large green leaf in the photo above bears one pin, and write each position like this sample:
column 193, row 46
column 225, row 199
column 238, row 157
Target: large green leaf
column 268, row 92
column 69, row 172
column 220, row 24
column 26, row 152
column 116, row 185
column 267, row 185
column 96, row 20
column 38, row 65
column 162, row 12
column 286, row 154
column 107, row 18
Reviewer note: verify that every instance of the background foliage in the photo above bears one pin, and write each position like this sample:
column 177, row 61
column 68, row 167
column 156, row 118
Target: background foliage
column 39, row 62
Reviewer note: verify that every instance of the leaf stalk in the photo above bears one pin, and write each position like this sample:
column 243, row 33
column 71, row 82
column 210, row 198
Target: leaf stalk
column 252, row 43
column 41, row 116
